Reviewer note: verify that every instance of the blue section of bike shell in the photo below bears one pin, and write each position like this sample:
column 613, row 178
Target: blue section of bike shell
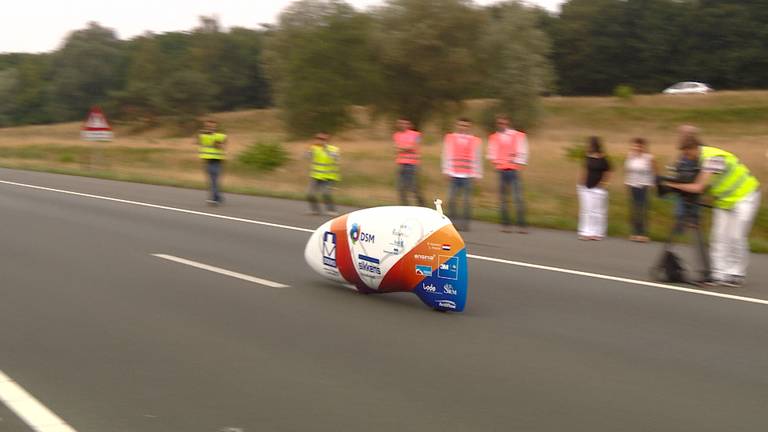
column 446, row 293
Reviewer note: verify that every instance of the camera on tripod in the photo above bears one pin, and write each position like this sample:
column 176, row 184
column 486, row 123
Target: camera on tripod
column 685, row 171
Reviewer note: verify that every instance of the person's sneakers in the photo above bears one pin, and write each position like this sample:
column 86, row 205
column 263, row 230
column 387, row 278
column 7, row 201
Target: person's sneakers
column 506, row 229
column 706, row 283
column 732, row 282
column 212, row 203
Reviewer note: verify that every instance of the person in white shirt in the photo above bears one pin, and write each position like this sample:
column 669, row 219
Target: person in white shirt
column 639, row 175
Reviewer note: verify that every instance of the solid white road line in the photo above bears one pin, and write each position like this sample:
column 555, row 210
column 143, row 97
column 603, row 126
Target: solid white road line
column 221, row 271
column 29, row 409
column 618, row 279
column 161, row 207
column 477, row 257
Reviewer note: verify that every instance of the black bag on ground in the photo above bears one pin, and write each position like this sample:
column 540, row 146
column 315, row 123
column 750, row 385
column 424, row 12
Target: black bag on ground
column 670, row 268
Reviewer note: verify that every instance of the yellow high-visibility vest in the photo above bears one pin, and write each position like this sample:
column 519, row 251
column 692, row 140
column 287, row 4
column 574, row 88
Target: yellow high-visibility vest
column 208, row 149
column 734, row 183
column 325, row 165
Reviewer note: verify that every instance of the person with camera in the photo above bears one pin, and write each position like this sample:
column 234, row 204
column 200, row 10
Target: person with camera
column 735, row 195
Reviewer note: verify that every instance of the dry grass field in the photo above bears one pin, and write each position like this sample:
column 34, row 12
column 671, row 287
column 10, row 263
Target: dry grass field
column 736, row 121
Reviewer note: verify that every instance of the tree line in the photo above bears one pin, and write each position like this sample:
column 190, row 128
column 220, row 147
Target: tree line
column 414, row 58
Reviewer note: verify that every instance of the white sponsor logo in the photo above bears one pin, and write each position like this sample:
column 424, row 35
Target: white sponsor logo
column 449, row 289
column 430, row 288
column 424, row 257
column 447, row 304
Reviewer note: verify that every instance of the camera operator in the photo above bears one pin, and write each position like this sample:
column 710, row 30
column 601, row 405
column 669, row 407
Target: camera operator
column 736, row 197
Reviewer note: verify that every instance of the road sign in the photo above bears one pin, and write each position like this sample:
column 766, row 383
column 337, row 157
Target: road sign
column 96, row 126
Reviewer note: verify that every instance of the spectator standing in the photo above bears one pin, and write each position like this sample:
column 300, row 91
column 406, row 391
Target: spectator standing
column 640, row 175
column 461, row 162
column 736, row 198
column 508, row 151
column 593, row 195
column 407, row 141
column 211, row 145
column 324, row 173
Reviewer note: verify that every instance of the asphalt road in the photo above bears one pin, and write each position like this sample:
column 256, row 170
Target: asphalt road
column 112, row 338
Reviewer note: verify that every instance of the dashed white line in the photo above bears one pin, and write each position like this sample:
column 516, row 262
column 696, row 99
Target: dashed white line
column 29, row 409
column 477, row 257
column 221, row 271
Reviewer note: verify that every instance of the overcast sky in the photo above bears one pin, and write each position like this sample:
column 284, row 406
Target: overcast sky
column 40, row 25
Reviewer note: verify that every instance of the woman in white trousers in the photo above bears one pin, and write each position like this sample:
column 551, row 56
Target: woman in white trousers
column 593, row 195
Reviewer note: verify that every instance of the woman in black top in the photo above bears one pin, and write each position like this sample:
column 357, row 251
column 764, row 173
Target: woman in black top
column 593, row 196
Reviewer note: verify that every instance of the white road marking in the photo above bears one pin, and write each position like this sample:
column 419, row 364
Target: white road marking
column 477, row 257
column 221, row 271
column 161, row 207
column 618, row 279
column 29, row 409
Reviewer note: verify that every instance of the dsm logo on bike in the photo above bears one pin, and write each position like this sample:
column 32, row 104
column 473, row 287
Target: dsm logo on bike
column 356, row 234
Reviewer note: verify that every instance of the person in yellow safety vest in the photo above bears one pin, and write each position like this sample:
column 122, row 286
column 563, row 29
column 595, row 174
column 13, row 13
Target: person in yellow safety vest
column 736, row 198
column 211, row 144
column 508, row 151
column 407, row 142
column 324, row 173
column 461, row 162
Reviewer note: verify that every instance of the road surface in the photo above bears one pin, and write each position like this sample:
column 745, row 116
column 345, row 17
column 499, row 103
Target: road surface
column 128, row 307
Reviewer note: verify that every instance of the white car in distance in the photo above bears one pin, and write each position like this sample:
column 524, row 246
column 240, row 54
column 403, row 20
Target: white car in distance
column 688, row 87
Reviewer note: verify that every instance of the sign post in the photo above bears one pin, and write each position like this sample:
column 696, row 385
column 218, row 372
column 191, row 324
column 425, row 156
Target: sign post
column 96, row 128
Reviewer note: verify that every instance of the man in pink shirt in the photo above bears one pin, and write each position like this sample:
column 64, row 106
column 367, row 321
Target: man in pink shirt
column 462, row 162
column 407, row 141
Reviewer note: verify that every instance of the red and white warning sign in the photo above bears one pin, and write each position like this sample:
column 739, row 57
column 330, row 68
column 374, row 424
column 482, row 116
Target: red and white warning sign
column 96, row 126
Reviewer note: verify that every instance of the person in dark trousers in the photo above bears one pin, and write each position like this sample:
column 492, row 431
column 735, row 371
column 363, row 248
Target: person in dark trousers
column 211, row 144
column 508, row 151
column 324, row 173
column 639, row 176
column 461, row 163
column 407, row 142
column 593, row 195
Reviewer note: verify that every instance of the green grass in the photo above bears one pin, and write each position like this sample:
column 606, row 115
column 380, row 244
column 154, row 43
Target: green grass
column 85, row 154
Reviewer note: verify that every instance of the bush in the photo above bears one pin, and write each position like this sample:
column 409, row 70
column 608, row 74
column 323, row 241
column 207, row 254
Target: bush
column 575, row 152
column 624, row 92
column 264, row 156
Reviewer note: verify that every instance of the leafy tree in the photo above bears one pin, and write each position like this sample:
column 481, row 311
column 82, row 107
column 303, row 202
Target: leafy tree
column 88, row 66
column 320, row 61
column 429, row 53
column 8, row 82
column 185, row 95
column 232, row 63
column 516, row 58
column 30, row 94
